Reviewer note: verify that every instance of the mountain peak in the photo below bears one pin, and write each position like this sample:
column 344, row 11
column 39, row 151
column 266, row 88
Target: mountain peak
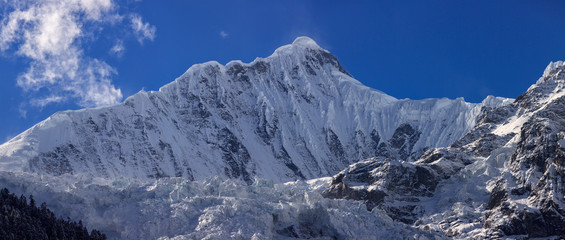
column 550, row 69
column 549, row 87
column 553, row 71
column 300, row 46
column 305, row 42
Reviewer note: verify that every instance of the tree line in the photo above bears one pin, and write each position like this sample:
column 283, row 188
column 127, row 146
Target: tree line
column 22, row 220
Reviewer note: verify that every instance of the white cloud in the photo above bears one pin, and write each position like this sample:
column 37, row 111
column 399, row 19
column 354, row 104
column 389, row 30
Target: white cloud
column 118, row 49
column 223, row 34
column 52, row 34
column 22, row 110
column 42, row 102
column 142, row 30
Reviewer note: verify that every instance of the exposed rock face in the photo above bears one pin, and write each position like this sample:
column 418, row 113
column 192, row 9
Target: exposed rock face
column 505, row 177
column 530, row 200
column 392, row 185
column 401, row 144
column 296, row 114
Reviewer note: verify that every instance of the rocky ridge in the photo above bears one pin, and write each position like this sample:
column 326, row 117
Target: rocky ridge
column 504, row 178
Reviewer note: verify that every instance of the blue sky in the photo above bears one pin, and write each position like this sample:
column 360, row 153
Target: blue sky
column 68, row 54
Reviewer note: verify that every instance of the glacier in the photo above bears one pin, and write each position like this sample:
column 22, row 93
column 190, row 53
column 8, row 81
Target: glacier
column 176, row 208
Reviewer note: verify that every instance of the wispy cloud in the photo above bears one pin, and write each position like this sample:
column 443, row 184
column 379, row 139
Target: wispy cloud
column 223, row 34
column 42, row 102
column 142, row 29
column 118, row 49
column 22, row 110
column 52, row 35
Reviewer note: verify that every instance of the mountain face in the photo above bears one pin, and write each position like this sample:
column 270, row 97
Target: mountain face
column 297, row 114
column 505, row 177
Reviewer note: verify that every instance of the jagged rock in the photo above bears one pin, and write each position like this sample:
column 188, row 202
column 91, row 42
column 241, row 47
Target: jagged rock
column 384, row 184
column 514, row 157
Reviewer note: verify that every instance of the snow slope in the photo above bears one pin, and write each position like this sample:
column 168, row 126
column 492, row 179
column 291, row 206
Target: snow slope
column 296, row 114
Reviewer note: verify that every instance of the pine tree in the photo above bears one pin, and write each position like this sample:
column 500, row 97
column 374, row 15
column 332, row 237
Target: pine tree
column 18, row 220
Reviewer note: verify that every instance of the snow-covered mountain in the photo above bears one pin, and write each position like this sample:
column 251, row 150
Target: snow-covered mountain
column 207, row 157
column 504, row 178
column 297, row 114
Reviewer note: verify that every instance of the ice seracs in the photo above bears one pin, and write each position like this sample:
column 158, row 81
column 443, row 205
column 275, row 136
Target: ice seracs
column 176, row 208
